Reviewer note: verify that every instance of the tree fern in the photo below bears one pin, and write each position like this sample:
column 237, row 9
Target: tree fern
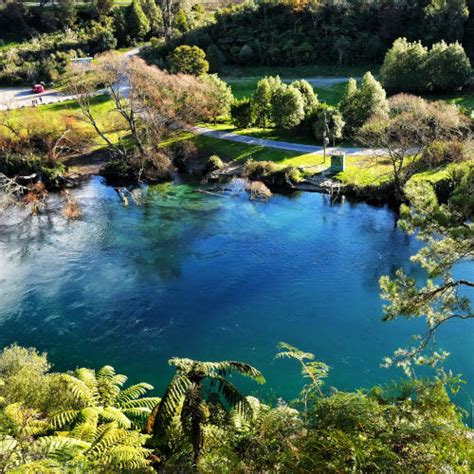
column 184, row 403
column 102, row 399
column 314, row 370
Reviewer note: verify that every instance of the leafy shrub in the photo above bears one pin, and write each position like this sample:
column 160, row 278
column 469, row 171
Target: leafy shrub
column 188, row 60
column 138, row 25
column 360, row 103
column 335, row 123
column 241, row 113
column 443, row 152
column 411, row 67
column 214, row 163
column 287, row 107
column 184, row 152
column 271, row 174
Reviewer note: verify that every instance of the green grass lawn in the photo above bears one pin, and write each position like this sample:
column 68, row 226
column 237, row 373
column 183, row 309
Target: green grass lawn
column 102, row 108
column 360, row 170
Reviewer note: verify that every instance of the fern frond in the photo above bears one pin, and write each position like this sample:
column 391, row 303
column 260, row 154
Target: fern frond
column 58, row 444
column 64, row 418
column 132, row 393
column 107, row 371
column 171, row 403
column 108, row 435
column 148, row 402
column 230, row 393
column 8, row 444
column 85, row 431
column 226, row 367
column 114, row 414
column 291, row 352
column 81, row 391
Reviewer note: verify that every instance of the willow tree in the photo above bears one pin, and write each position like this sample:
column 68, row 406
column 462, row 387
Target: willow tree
column 185, row 404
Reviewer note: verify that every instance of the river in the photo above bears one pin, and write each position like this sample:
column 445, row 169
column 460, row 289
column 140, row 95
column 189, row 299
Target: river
column 194, row 275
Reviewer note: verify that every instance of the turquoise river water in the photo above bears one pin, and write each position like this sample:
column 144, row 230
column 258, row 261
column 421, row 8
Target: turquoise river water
column 211, row 278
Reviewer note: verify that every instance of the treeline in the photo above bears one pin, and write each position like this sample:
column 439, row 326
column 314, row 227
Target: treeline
column 44, row 39
column 92, row 421
column 328, row 32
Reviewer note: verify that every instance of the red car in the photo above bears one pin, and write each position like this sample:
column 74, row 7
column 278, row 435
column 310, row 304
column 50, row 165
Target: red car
column 38, row 89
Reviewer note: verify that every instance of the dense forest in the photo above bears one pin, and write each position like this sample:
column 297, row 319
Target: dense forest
column 341, row 32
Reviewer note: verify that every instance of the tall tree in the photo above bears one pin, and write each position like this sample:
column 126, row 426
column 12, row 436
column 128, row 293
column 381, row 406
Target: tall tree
column 137, row 22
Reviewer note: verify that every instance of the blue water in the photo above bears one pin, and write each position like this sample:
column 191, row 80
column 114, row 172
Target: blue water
column 211, row 278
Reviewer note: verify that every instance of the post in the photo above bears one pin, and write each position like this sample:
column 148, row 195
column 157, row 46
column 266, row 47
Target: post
column 325, row 137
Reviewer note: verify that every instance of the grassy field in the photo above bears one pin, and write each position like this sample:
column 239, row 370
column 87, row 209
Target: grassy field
column 102, row 107
column 360, row 170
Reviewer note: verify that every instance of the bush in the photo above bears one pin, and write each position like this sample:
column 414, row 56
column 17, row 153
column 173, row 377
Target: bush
column 183, row 153
column 287, row 107
column 188, row 60
column 447, row 67
column 271, row 174
column 310, row 99
column 441, row 153
column 219, row 96
column 411, row 67
column 241, row 113
column 360, row 103
column 213, row 163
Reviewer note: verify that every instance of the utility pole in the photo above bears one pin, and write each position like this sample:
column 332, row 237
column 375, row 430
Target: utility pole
column 325, row 136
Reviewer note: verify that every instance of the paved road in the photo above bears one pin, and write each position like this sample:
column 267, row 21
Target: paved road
column 297, row 147
column 19, row 97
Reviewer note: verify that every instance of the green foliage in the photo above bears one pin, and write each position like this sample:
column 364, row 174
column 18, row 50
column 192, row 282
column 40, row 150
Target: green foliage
column 314, row 370
column 334, row 120
column 154, row 15
column 310, row 99
column 181, row 22
column 411, row 67
column 241, row 113
column 138, row 25
column 204, row 424
column 262, row 102
column 299, row 33
column 97, row 418
column 188, row 60
column 215, row 58
column 273, row 175
column 448, row 233
column 220, row 96
column 184, row 405
column 287, row 107
column 361, row 103
column 444, row 20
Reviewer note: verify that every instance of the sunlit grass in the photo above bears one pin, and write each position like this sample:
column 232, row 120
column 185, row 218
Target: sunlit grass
column 102, row 109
